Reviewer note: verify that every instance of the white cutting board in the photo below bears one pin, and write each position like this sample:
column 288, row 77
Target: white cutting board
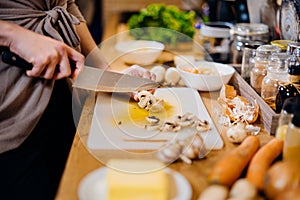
column 117, row 126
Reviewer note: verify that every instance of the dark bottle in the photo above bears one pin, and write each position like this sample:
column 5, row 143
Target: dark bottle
column 290, row 89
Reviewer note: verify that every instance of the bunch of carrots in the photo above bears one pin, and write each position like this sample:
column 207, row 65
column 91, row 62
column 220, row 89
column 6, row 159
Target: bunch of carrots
column 257, row 161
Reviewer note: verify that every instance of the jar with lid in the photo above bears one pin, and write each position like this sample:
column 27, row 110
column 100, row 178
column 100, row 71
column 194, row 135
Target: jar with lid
column 261, row 60
column 277, row 74
column 291, row 105
column 291, row 147
column 250, row 35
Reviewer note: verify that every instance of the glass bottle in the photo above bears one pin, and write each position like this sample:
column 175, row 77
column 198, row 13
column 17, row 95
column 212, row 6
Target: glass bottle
column 259, row 71
column 294, row 69
column 291, row 147
column 290, row 89
column 277, row 74
column 290, row 106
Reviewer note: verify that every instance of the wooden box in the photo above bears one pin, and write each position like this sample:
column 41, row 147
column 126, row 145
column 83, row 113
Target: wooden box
column 267, row 115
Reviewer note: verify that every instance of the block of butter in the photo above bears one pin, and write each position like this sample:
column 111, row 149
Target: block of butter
column 136, row 179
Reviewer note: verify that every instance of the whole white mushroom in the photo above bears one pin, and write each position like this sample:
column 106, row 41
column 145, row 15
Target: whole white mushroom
column 159, row 72
column 172, row 76
column 237, row 133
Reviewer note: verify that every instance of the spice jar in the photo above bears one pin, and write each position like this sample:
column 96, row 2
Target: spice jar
column 259, row 71
column 250, row 35
column 291, row 147
column 291, row 105
column 277, row 74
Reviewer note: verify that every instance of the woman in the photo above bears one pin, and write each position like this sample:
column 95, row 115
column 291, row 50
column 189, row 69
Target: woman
column 36, row 122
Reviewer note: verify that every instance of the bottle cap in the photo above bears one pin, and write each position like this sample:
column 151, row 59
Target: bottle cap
column 292, row 104
column 294, row 69
column 296, row 119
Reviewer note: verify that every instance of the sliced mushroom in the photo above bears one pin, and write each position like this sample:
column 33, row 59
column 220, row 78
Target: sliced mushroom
column 170, row 126
column 153, row 120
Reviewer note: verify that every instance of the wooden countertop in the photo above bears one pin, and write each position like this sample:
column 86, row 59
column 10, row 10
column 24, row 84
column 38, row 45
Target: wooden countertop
column 81, row 161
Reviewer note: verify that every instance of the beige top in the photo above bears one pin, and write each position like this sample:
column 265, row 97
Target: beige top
column 23, row 99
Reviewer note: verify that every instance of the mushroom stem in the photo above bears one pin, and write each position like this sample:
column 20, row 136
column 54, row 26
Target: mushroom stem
column 185, row 159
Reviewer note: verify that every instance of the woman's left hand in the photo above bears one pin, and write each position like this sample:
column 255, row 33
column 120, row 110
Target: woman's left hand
column 136, row 70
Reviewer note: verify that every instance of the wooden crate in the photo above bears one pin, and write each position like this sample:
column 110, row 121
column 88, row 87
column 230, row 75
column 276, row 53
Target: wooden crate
column 267, row 115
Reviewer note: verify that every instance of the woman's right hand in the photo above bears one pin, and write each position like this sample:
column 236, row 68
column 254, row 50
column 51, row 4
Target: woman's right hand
column 49, row 57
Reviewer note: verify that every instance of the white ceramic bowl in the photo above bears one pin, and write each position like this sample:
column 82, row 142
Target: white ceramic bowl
column 140, row 52
column 219, row 74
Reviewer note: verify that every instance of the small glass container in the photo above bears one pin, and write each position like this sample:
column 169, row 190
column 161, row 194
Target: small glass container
column 247, row 63
column 277, row 74
column 291, row 147
column 251, row 35
column 291, row 105
column 259, row 71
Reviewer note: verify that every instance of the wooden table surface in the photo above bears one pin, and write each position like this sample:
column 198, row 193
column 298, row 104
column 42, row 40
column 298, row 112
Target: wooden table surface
column 81, row 161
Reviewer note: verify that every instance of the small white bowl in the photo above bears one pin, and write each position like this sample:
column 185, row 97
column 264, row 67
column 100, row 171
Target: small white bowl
column 140, row 52
column 219, row 74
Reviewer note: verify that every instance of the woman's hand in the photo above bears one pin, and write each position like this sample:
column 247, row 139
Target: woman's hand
column 49, row 57
column 136, row 70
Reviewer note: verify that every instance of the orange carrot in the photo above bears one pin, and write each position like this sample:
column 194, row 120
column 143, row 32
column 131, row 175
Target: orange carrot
column 227, row 170
column 262, row 161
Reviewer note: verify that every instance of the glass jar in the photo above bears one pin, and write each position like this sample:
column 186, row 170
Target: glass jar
column 261, row 60
column 291, row 147
column 290, row 106
column 250, row 35
column 277, row 74
column 247, row 63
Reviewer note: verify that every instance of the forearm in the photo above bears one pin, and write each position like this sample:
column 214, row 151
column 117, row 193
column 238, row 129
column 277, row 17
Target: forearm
column 89, row 48
column 7, row 32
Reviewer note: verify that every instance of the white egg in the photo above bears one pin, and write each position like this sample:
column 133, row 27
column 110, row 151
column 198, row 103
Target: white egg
column 172, row 76
column 159, row 72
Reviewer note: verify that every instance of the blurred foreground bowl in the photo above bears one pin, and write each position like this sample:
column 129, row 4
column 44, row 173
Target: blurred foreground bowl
column 140, row 52
column 205, row 75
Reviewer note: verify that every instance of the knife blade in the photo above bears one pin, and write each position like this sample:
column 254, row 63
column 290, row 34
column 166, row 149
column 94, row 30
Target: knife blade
column 92, row 78
column 100, row 80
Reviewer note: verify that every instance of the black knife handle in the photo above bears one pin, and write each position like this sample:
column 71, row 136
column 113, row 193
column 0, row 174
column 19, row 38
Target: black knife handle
column 13, row 59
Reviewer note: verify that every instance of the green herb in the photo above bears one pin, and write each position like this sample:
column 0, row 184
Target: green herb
column 168, row 17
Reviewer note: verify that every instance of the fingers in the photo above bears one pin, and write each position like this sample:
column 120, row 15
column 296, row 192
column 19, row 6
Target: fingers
column 78, row 58
column 56, row 64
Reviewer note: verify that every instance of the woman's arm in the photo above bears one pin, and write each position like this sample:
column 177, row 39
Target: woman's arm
column 89, row 48
column 49, row 57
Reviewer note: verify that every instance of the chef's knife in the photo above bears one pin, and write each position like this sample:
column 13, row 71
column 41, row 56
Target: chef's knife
column 94, row 79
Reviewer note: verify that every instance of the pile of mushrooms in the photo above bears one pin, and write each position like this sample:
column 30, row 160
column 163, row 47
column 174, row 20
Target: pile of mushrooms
column 187, row 150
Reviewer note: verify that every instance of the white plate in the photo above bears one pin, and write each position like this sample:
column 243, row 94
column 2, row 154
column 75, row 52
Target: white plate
column 112, row 127
column 94, row 187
